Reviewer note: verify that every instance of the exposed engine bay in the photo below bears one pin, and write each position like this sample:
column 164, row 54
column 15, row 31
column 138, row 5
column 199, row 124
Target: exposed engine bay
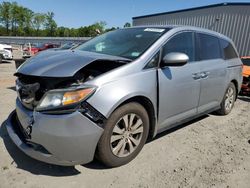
column 31, row 89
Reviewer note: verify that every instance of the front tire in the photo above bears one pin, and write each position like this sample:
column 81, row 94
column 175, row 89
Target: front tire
column 228, row 100
column 125, row 133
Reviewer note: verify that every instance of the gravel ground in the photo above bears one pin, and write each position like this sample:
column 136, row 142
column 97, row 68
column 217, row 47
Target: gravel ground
column 212, row 151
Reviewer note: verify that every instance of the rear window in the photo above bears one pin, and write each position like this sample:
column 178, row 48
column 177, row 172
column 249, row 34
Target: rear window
column 209, row 47
column 246, row 61
column 228, row 50
column 10, row 49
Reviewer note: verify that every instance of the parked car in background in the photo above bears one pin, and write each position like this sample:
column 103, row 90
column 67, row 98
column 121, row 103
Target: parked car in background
column 115, row 91
column 6, row 52
column 32, row 49
column 245, row 88
column 69, row 45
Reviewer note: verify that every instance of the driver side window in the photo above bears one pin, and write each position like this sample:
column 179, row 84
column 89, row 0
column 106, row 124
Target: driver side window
column 183, row 43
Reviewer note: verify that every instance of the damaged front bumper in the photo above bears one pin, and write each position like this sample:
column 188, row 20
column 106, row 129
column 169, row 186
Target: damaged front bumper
column 66, row 140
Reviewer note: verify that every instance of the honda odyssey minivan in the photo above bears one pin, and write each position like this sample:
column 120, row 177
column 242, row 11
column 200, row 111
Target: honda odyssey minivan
column 109, row 95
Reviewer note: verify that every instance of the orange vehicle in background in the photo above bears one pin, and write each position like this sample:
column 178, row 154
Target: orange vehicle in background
column 245, row 88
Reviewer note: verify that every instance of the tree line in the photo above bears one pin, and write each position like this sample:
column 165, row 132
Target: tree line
column 16, row 20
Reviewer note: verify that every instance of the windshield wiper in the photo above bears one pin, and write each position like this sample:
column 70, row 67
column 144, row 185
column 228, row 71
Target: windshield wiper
column 124, row 60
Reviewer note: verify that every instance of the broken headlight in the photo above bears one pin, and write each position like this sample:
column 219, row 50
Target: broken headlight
column 58, row 98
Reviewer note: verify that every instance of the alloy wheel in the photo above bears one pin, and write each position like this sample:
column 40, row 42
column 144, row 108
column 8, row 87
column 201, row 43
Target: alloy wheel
column 229, row 101
column 126, row 135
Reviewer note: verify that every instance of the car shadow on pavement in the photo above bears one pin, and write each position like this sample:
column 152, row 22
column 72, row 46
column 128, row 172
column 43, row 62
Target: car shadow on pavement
column 244, row 98
column 5, row 62
column 22, row 161
column 169, row 131
column 25, row 162
column 97, row 165
column 12, row 88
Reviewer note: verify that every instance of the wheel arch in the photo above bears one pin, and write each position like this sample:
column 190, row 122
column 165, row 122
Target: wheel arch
column 149, row 107
column 1, row 57
column 234, row 81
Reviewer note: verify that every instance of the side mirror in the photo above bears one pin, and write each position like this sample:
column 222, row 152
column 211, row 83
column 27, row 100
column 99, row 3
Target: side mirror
column 175, row 59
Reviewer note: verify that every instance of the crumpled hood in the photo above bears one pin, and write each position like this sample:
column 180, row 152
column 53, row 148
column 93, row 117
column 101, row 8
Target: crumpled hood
column 61, row 63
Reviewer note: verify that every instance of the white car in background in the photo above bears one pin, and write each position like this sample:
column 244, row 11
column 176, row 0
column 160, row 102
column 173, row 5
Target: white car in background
column 5, row 52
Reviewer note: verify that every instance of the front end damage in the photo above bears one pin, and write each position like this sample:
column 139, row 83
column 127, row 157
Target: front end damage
column 66, row 134
column 66, row 139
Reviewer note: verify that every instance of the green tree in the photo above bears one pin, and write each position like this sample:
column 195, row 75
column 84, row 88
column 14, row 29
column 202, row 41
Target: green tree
column 60, row 31
column 73, row 32
column 38, row 22
column 110, row 29
column 82, row 31
column 100, row 26
column 28, row 15
column 5, row 15
column 20, row 21
column 66, row 32
column 2, row 30
column 127, row 24
column 50, row 24
column 14, row 12
column 91, row 30
column 24, row 21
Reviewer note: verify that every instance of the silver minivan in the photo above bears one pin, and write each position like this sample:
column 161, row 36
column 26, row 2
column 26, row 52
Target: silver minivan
column 109, row 95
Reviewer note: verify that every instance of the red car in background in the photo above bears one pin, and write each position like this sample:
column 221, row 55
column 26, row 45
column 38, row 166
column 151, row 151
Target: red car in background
column 31, row 49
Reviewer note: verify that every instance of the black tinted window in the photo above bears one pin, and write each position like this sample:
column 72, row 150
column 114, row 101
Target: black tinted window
column 246, row 61
column 183, row 42
column 209, row 47
column 228, row 50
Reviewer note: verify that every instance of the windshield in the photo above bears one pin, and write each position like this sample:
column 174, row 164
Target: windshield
column 246, row 61
column 129, row 43
column 67, row 46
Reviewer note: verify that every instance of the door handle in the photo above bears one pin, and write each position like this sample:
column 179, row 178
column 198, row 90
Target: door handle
column 204, row 74
column 196, row 76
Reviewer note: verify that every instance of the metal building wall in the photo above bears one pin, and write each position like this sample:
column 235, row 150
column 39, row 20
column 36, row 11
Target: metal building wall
column 230, row 20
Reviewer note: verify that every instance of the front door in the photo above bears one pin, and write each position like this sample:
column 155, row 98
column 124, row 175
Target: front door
column 179, row 87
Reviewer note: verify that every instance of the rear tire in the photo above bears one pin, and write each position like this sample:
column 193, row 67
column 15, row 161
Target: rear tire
column 125, row 133
column 1, row 59
column 227, row 103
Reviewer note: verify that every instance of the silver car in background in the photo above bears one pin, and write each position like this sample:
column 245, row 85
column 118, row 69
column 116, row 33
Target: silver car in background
column 112, row 93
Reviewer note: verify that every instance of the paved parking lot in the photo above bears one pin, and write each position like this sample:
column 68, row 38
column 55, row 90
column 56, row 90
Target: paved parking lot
column 212, row 151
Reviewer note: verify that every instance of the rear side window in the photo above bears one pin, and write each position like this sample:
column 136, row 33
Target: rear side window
column 209, row 47
column 246, row 61
column 183, row 42
column 228, row 50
